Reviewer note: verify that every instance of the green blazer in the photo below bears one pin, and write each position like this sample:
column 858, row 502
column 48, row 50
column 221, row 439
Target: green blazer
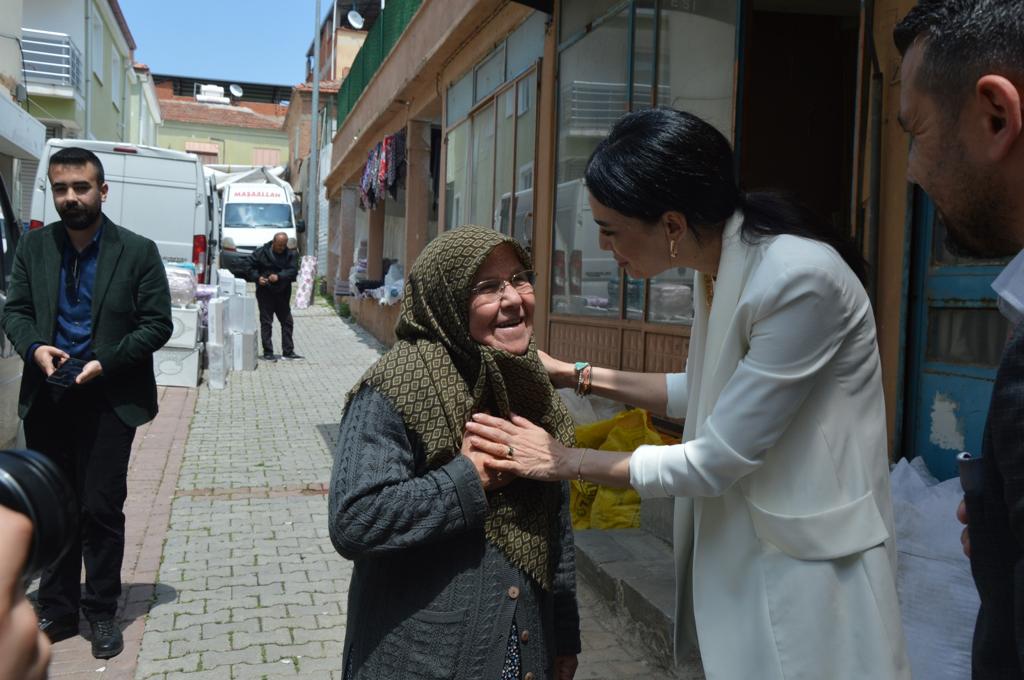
column 131, row 314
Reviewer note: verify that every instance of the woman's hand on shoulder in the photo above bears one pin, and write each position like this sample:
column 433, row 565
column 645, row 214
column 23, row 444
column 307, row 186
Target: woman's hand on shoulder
column 519, row 447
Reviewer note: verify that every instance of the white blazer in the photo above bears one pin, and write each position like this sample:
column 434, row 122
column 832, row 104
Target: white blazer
column 783, row 525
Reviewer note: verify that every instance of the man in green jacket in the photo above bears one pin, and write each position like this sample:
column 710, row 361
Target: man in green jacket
column 85, row 292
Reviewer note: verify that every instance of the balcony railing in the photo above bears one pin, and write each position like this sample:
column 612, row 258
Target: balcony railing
column 379, row 40
column 51, row 59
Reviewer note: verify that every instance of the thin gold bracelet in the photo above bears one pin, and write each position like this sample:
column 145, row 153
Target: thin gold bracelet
column 579, row 467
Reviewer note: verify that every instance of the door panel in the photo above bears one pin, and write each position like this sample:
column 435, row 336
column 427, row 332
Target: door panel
column 956, row 338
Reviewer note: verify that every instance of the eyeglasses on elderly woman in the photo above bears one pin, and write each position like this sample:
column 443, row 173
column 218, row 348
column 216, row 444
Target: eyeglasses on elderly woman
column 492, row 289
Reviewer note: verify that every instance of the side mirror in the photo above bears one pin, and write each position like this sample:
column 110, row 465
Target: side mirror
column 300, row 226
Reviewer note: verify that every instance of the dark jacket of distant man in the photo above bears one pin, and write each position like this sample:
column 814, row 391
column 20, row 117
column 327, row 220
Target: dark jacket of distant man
column 266, row 262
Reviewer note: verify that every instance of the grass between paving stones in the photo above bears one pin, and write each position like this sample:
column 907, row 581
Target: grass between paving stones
column 327, row 294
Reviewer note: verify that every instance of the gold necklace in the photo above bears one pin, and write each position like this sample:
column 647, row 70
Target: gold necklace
column 709, row 290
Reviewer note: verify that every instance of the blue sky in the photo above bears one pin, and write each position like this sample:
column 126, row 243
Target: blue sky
column 257, row 41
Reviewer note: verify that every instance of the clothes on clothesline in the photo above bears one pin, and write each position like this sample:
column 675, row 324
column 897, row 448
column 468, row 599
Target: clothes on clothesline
column 384, row 170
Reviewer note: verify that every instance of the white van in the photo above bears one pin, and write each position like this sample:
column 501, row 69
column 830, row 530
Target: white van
column 157, row 193
column 253, row 213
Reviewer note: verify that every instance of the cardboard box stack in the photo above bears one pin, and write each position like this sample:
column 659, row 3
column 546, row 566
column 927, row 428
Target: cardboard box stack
column 233, row 330
column 179, row 362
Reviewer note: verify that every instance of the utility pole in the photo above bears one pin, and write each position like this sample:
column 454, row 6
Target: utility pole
column 313, row 169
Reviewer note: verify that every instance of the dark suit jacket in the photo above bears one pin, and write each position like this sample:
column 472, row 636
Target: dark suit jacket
column 131, row 314
column 996, row 526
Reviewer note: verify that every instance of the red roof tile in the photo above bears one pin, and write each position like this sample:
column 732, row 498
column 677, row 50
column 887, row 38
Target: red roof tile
column 328, row 86
column 217, row 114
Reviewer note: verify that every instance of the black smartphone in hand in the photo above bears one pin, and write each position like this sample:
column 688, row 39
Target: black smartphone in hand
column 66, row 373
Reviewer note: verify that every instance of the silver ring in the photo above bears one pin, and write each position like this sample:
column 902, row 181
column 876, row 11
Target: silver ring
column 511, row 451
column 497, row 475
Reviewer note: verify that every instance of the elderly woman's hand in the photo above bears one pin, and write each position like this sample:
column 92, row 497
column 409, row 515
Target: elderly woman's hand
column 519, row 447
column 490, row 479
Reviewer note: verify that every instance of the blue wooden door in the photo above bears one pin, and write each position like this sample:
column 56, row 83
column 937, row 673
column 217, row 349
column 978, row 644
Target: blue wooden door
column 956, row 337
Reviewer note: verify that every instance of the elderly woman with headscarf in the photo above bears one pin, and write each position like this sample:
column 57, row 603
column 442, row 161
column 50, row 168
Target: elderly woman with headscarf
column 458, row 572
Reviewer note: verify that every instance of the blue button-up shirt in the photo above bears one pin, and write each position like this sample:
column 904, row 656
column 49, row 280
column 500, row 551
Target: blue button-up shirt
column 74, row 302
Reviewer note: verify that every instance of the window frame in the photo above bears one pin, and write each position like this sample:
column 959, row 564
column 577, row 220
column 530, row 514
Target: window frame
column 495, row 99
column 97, row 48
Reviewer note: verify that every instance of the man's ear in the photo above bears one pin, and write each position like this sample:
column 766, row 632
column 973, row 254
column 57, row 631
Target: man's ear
column 999, row 123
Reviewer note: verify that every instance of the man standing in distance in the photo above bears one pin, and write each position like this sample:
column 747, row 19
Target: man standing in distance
column 962, row 102
column 87, row 289
column 273, row 269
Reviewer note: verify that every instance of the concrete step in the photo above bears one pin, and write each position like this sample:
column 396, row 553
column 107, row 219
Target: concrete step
column 633, row 571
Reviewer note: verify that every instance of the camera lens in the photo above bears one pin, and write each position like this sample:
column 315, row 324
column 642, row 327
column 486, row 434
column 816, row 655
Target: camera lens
column 31, row 484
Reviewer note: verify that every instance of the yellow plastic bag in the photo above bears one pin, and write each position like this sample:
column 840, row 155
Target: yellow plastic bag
column 600, row 507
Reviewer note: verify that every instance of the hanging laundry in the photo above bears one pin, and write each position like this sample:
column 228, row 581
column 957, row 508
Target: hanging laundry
column 396, row 171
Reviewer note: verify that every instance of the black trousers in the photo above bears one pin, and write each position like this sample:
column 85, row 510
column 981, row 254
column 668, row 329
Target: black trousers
column 89, row 443
column 277, row 304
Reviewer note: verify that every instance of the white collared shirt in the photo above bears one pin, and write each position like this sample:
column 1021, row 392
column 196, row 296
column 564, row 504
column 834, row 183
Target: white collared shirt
column 1009, row 288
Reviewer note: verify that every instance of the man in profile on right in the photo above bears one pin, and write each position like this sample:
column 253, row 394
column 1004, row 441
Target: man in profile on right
column 962, row 103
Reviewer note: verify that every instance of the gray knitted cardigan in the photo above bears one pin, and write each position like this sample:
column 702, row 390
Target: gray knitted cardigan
column 429, row 596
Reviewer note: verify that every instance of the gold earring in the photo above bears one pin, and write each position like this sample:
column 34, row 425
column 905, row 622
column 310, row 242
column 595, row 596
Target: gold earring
column 672, row 253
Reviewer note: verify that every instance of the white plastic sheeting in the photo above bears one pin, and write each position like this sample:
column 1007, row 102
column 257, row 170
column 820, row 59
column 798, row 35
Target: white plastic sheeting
column 938, row 599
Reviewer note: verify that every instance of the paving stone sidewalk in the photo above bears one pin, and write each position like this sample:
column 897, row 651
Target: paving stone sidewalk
column 247, row 584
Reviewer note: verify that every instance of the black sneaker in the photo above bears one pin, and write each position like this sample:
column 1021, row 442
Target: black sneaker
column 292, row 356
column 107, row 641
column 269, row 356
column 59, row 629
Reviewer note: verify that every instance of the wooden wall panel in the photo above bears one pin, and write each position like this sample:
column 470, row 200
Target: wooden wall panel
column 632, row 350
column 665, row 353
column 575, row 342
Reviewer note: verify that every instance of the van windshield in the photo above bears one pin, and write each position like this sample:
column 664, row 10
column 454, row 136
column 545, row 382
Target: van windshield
column 257, row 215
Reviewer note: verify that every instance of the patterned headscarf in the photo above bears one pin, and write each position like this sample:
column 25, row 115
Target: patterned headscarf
column 437, row 376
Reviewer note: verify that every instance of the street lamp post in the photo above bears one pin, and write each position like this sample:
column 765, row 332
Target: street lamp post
column 314, row 144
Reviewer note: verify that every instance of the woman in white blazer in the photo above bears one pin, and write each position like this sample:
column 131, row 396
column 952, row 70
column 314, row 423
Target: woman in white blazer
column 783, row 521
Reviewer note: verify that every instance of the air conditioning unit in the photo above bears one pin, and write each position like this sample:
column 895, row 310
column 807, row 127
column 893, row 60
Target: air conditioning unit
column 212, row 94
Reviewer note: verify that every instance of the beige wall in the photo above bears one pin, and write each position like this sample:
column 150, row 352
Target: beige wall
column 10, row 55
column 346, row 47
column 236, row 144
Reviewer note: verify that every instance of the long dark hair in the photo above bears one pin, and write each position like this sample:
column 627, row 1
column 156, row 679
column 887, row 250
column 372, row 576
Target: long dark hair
column 660, row 160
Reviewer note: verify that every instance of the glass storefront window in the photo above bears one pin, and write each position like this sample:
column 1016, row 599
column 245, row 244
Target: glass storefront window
column 696, row 56
column 683, row 56
column 490, row 74
column 455, row 187
column 491, row 153
column 696, row 59
column 460, row 98
column 481, row 179
column 526, row 143
column 503, row 170
column 525, row 45
column 576, row 14
column 671, row 297
column 593, row 77
column 644, row 27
